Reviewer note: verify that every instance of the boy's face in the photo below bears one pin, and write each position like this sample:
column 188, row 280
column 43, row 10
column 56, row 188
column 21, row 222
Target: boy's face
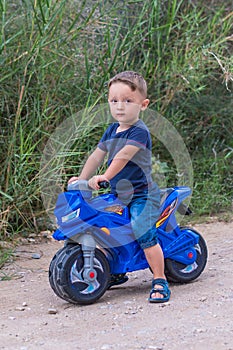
column 125, row 104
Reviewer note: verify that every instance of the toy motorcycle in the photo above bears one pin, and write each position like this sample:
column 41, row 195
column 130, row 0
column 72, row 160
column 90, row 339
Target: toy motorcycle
column 100, row 247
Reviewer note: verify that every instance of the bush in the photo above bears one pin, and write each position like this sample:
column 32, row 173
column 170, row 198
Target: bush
column 57, row 57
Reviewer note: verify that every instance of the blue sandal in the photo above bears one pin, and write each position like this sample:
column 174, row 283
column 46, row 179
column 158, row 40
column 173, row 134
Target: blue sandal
column 165, row 291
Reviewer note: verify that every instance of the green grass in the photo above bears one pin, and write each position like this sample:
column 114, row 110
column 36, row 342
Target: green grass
column 56, row 59
column 5, row 253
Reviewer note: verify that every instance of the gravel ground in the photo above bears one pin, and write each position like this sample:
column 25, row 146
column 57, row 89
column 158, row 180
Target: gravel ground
column 198, row 315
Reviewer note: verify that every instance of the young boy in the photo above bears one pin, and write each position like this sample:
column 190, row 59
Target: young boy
column 128, row 144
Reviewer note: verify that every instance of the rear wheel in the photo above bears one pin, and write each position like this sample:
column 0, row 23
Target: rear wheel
column 178, row 272
column 67, row 280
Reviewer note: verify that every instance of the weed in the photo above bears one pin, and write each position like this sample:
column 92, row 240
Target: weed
column 56, row 59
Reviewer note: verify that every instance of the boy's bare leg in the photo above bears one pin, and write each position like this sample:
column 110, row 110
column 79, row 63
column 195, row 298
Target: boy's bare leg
column 155, row 259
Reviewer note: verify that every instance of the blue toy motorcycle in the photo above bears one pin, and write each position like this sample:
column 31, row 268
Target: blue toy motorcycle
column 100, row 247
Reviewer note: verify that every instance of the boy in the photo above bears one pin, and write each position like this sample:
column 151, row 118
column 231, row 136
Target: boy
column 128, row 144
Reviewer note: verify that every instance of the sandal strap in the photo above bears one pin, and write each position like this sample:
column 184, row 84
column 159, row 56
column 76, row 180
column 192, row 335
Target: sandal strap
column 162, row 291
column 161, row 282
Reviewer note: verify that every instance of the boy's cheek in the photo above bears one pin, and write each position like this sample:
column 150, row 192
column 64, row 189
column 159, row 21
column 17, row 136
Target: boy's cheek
column 112, row 109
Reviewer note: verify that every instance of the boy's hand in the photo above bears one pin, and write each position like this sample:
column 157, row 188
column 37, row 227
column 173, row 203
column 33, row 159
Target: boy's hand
column 94, row 181
column 72, row 179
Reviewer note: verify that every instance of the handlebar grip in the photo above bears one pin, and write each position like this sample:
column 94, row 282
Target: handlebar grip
column 104, row 184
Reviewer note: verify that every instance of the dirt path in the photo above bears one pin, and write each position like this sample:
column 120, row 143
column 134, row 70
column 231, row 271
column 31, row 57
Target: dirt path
column 198, row 316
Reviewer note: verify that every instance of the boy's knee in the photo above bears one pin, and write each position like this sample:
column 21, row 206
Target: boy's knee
column 149, row 239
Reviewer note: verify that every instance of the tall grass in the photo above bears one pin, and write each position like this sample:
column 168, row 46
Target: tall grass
column 56, row 58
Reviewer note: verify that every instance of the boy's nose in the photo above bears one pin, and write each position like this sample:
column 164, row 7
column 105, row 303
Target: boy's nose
column 120, row 105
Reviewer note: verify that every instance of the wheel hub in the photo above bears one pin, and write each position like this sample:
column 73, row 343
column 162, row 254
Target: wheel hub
column 87, row 279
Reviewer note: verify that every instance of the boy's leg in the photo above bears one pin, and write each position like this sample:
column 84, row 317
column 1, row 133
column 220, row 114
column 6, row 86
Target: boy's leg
column 144, row 212
column 155, row 258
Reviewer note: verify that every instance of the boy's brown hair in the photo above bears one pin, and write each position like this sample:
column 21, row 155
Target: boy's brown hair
column 133, row 79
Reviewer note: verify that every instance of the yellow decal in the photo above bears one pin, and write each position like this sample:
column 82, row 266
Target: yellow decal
column 159, row 223
column 166, row 213
column 118, row 209
column 105, row 230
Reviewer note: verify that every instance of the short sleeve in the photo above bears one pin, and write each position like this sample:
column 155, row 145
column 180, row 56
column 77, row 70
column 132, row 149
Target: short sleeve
column 104, row 138
column 139, row 137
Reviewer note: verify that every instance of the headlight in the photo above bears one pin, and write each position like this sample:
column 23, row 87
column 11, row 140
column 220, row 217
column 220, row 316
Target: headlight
column 71, row 216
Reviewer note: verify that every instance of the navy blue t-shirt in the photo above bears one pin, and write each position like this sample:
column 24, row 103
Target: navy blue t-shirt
column 136, row 175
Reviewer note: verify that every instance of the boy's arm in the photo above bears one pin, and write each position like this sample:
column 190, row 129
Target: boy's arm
column 118, row 163
column 91, row 165
column 120, row 160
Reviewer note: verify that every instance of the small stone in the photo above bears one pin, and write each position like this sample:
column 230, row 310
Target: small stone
column 36, row 256
column 199, row 330
column 52, row 311
column 6, row 245
column 45, row 234
column 105, row 347
column 167, row 303
column 32, row 235
column 203, row 299
column 20, row 308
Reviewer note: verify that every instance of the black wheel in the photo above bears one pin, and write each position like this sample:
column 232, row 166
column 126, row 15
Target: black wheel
column 67, row 280
column 178, row 272
column 53, row 269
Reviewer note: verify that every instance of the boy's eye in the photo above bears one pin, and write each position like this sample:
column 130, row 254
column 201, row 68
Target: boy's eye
column 114, row 101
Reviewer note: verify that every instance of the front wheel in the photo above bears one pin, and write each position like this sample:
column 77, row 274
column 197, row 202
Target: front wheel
column 70, row 284
column 178, row 272
column 54, row 269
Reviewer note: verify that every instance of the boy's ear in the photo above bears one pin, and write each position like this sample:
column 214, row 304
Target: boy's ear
column 145, row 104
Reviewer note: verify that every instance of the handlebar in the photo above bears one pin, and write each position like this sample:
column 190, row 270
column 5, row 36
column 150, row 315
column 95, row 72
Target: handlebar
column 104, row 184
column 83, row 185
